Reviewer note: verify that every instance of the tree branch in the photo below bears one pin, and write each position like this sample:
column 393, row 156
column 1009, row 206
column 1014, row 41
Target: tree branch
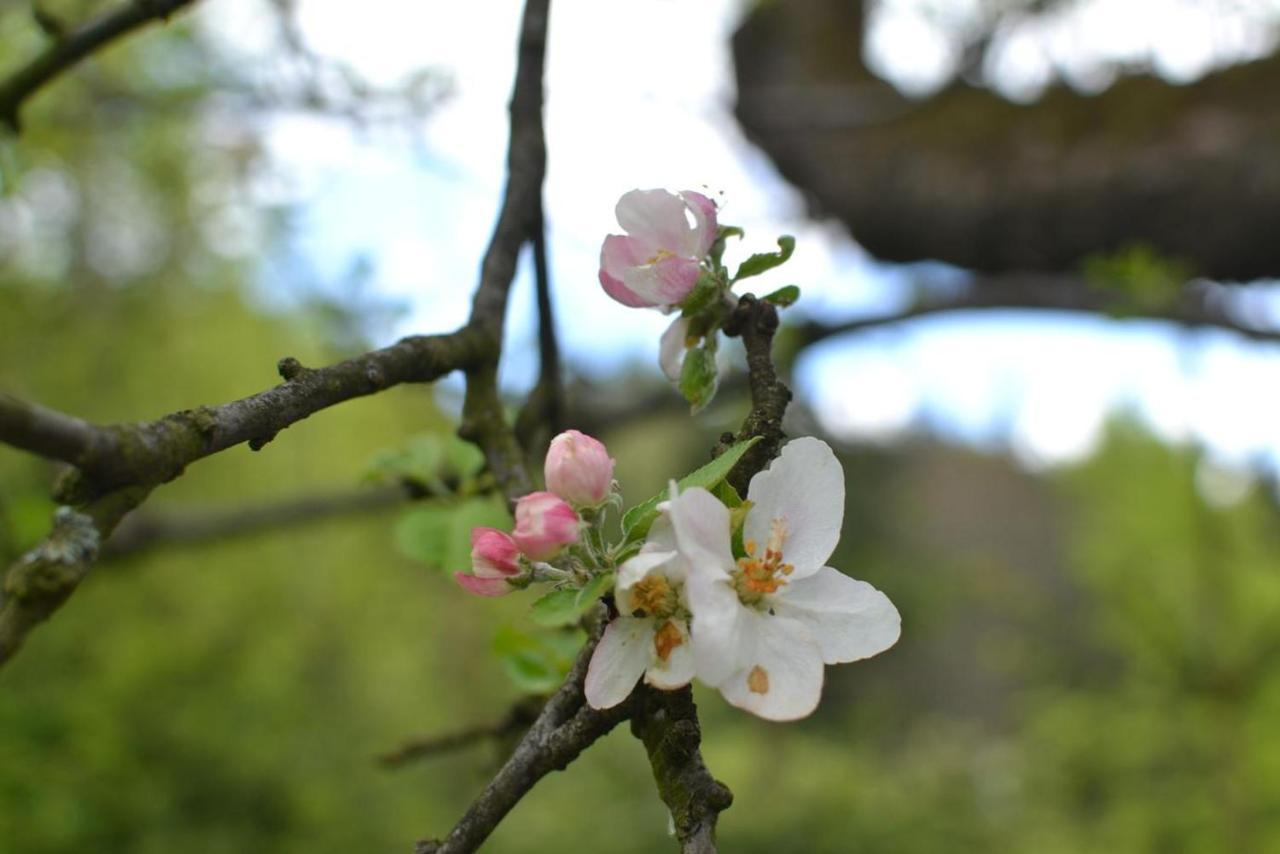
column 755, row 322
column 118, row 465
column 565, row 727
column 1198, row 305
column 74, row 46
column 148, row 531
column 483, row 419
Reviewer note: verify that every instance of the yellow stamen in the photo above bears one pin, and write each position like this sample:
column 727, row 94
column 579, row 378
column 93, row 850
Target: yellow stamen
column 759, row 576
column 758, row 680
column 654, row 596
column 666, row 639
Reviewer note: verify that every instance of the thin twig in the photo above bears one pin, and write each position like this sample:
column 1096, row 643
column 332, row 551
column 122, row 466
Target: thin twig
column 72, row 47
column 520, row 717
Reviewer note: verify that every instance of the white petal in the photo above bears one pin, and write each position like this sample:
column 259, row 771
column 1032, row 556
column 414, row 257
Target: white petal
column 849, row 619
column 701, row 523
column 677, row 671
column 804, row 487
column 720, row 624
column 656, row 217
column 620, row 658
column 661, row 536
column 671, row 348
column 781, row 673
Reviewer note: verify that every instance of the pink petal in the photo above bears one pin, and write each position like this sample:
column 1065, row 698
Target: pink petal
column 483, row 586
column 656, row 217
column 618, row 255
column 667, row 282
column 704, row 215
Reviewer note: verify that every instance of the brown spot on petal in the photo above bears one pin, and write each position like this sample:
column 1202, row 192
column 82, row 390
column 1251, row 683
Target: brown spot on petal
column 667, row 638
column 758, row 680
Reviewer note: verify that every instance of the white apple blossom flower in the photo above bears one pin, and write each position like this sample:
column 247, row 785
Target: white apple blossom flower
column 651, row 633
column 764, row 624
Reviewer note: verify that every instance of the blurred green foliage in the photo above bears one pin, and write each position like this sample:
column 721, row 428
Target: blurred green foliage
column 1089, row 661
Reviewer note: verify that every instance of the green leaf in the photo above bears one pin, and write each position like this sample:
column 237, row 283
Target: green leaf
column 637, row 520
column 699, row 377
column 765, row 261
column 728, row 496
column 537, row 662
column 439, row 534
column 566, row 607
column 784, row 296
column 704, row 293
column 722, row 236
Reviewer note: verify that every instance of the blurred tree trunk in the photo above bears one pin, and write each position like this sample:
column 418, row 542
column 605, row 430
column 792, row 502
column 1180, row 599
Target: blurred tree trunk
column 972, row 179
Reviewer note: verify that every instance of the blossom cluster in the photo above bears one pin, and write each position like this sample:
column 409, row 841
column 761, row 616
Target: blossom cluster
column 579, row 476
column 740, row 599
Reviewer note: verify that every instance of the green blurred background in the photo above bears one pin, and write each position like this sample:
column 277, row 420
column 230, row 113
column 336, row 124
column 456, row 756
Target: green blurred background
column 1090, row 657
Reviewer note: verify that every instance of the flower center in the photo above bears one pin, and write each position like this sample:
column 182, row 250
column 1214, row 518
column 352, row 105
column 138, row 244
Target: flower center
column 660, row 255
column 654, row 596
column 760, row 575
column 667, row 638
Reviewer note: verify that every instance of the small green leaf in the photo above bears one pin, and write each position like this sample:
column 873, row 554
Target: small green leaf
column 728, row 496
column 722, row 236
column 537, row 663
column 783, row 297
column 699, row 377
column 636, row 521
column 704, row 293
column 765, row 261
column 566, row 607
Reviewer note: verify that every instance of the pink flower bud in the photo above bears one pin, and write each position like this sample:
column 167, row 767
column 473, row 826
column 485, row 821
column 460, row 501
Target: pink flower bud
column 493, row 558
column 545, row 523
column 579, row 469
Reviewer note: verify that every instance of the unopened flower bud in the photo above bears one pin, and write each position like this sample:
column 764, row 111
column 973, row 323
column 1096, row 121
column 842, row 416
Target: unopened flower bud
column 579, row 469
column 545, row 523
column 493, row 559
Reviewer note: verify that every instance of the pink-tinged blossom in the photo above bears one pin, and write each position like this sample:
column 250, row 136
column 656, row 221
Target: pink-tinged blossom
column 493, row 560
column 545, row 523
column 659, row 260
column 579, row 469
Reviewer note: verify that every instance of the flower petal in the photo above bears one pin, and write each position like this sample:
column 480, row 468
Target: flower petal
column 619, row 659
column 664, row 282
column 656, row 217
column 483, row 586
column 671, row 349
column 618, row 255
column 849, row 619
column 677, row 671
column 719, row 626
column 704, row 217
column 781, row 674
column 804, row 487
column 701, row 524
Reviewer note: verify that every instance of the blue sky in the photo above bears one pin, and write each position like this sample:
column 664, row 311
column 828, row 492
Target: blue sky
column 639, row 94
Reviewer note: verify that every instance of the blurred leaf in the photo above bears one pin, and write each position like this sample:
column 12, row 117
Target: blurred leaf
column 722, row 236
column 699, row 377
column 765, row 261
column 537, row 662
column 566, row 607
column 439, row 535
column 704, row 293
column 783, row 296
column 637, row 520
